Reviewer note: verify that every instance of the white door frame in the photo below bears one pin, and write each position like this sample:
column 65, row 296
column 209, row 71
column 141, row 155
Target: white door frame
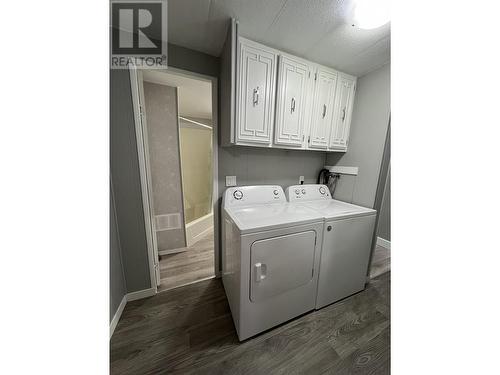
column 136, row 80
column 143, row 157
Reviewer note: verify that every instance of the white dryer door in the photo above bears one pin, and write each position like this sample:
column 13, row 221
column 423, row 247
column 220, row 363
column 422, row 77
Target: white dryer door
column 280, row 264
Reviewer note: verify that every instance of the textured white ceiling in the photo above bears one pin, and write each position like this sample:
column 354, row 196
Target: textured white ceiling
column 195, row 96
column 319, row 30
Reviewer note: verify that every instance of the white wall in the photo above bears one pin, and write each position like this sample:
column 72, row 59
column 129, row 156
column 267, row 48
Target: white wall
column 370, row 120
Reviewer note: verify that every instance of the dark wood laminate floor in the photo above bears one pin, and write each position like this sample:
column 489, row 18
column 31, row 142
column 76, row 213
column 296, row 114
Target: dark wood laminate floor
column 189, row 330
column 196, row 263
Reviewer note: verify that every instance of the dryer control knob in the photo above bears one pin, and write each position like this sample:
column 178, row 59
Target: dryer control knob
column 237, row 194
column 297, row 191
column 329, row 228
column 275, row 192
column 303, row 191
column 322, row 190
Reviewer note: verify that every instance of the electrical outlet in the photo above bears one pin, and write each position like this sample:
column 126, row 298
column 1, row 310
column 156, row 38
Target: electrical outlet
column 301, row 180
column 230, row 180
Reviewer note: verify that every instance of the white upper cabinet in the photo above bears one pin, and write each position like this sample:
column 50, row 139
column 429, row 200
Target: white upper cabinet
column 294, row 78
column 256, row 83
column 273, row 99
column 344, row 99
column 322, row 110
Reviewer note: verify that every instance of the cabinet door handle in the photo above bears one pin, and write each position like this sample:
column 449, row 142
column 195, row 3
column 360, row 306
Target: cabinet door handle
column 292, row 106
column 256, row 96
column 324, row 110
column 343, row 114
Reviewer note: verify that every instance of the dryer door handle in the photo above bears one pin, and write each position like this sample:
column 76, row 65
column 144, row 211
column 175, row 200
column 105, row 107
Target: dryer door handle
column 260, row 272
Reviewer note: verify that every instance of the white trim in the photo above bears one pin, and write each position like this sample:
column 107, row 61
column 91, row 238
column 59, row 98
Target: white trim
column 144, row 128
column 384, row 243
column 199, row 228
column 173, row 251
column 127, row 298
column 142, row 153
column 141, row 294
column 117, row 316
column 189, row 283
column 215, row 173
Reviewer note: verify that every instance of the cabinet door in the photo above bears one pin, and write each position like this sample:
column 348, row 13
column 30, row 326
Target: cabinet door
column 344, row 99
column 293, row 84
column 321, row 119
column 345, row 255
column 256, row 90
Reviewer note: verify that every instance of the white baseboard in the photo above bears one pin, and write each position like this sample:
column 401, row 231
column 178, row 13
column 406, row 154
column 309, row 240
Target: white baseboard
column 141, row 294
column 191, row 282
column 172, row 251
column 126, row 298
column 384, row 243
column 199, row 228
column 117, row 316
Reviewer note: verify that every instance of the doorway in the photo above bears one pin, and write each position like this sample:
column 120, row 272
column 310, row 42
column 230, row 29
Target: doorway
column 180, row 128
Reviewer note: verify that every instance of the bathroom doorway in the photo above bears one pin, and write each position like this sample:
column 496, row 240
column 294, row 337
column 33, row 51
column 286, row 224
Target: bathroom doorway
column 181, row 135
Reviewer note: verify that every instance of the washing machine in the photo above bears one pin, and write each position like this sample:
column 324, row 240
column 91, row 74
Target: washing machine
column 270, row 257
column 347, row 237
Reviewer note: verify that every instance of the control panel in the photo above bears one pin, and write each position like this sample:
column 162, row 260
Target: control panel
column 250, row 195
column 309, row 192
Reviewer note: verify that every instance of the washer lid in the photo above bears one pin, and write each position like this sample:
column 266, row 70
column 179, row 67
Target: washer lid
column 262, row 217
column 333, row 208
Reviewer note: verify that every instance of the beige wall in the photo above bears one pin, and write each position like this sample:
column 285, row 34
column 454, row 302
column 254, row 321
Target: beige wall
column 196, row 162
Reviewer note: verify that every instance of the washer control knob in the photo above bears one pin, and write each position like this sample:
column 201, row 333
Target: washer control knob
column 322, row 190
column 329, row 228
column 297, row 191
column 275, row 192
column 303, row 191
column 237, row 194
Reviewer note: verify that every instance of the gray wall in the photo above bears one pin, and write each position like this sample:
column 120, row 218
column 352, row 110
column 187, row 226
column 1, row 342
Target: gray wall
column 164, row 156
column 194, row 61
column 367, row 138
column 384, row 220
column 126, row 184
column 264, row 166
column 117, row 286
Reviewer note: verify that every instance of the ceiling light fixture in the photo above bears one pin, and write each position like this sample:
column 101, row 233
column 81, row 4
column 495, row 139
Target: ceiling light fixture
column 370, row 14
